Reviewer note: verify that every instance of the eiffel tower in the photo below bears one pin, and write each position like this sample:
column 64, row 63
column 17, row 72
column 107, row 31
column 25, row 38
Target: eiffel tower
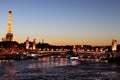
column 9, row 35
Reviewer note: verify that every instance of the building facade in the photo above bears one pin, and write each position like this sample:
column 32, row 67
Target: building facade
column 114, row 45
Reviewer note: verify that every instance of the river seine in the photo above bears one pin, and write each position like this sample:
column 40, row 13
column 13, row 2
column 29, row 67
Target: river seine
column 48, row 68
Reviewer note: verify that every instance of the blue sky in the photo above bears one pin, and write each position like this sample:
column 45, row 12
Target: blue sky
column 61, row 22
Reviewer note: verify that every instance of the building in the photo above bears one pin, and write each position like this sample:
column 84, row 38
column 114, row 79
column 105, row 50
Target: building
column 114, row 45
column 9, row 35
column 27, row 43
column 34, row 44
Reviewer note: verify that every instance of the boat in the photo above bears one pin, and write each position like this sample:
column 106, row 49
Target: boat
column 72, row 55
column 112, row 57
column 20, row 56
column 74, row 58
column 32, row 55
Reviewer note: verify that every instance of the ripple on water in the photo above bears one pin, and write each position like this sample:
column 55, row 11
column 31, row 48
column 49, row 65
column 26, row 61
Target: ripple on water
column 60, row 69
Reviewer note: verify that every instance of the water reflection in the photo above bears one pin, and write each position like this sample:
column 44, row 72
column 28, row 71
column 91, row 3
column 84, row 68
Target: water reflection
column 49, row 68
column 7, row 69
column 48, row 62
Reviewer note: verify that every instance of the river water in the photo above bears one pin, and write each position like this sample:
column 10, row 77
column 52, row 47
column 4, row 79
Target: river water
column 48, row 68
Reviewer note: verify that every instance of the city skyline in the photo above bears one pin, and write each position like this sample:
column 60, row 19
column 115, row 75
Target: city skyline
column 62, row 22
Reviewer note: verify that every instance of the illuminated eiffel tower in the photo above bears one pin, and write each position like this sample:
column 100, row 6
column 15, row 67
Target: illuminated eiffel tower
column 9, row 35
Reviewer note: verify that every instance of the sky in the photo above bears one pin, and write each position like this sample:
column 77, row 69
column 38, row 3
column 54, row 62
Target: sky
column 62, row 22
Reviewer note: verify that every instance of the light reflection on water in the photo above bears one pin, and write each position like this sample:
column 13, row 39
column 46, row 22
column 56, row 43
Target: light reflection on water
column 48, row 62
column 43, row 63
column 48, row 68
